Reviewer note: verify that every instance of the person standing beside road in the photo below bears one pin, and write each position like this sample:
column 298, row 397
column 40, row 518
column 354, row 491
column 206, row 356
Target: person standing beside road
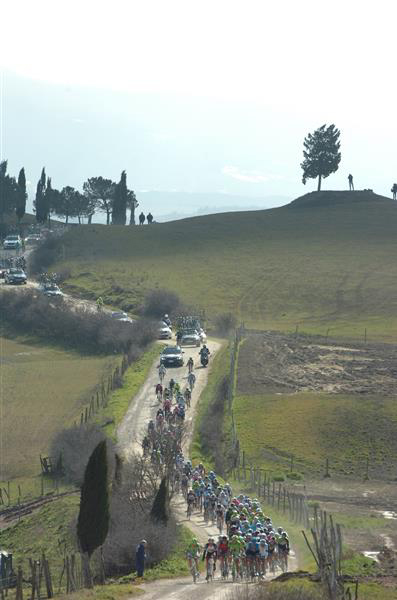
column 140, row 556
column 394, row 191
column 351, row 184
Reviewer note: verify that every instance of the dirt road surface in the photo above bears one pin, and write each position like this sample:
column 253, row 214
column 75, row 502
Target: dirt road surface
column 145, row 405
column 130, row 432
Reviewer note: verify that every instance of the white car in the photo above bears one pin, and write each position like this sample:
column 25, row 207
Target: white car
column 189, row 337
column 12, row 242
column 51, row 290
column 121, row 316
column 164, row 331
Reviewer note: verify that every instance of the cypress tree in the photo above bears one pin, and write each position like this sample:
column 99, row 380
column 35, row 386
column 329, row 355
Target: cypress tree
column 40, row 203
column 21, row 198
column 119, row 216
column 93, row 521
column 159, row 510
column 48, row 200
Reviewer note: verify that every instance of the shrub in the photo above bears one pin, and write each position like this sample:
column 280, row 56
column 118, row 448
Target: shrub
column 76, row 445
column 291, row 590
column 45, row 254
column 82, row 329
column 294, row 476
column 130, row 521
column 225, row 323
column 160, row 302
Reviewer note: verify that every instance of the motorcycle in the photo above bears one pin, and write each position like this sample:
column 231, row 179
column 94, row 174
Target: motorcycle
column 204, row 360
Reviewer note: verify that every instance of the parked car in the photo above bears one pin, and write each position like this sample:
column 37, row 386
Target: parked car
column 12, row 242
column 51, row 290
column 15, row 276
column 164, row 332
column 189, row 337
column 122, row 316
column 172, row 356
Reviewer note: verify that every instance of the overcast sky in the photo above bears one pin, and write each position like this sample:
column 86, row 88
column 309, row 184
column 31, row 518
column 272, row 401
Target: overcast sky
column 277, row 68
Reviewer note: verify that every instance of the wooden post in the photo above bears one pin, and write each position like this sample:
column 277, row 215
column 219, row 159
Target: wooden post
column 283, row 500
column 9, row 493
column 292, row 463
column 366, row 476
column 85, row 415
column 279, row 496
column 244, row 459
column 259, row 483
column 274, row 491
column 19, row 592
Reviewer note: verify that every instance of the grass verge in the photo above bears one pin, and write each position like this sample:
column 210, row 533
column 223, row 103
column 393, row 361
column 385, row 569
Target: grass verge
column 120, row 399
column 199, row 451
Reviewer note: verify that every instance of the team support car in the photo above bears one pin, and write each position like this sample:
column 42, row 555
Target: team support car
column 165, row 332
column 121, row 316
column 172, row 356
column 15, row 276
column 189, row 337
column 12, row 242
column 51, row 290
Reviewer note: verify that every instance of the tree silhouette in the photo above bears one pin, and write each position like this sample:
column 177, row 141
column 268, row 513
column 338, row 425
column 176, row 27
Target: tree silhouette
column 119, row 215
column 93, row 520
column 8, row 191
column 321, row 153
column 100, row 191
column 132, row 204
column 40, row 202
column 21, row 196
column 159, row 510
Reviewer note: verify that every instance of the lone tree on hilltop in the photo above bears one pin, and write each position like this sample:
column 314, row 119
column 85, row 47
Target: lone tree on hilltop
column 321, row 153
column 93, row 521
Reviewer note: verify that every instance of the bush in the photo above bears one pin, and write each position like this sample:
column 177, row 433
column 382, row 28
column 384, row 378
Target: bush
column 130, row 521
column 291, row 590
column 294, row 476
column 97, row 333
column 45, row 254
column 225, row 323
column 76, row 445
column 160, row 302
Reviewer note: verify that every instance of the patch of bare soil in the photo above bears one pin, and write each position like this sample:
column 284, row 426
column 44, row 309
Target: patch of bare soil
column 280, row 363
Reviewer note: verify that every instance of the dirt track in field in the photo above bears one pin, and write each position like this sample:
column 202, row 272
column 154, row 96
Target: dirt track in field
column 279, row 363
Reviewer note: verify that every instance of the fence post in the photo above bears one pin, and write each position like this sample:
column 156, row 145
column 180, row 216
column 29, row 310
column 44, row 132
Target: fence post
column 274, row 490
column 259, row 483
column 279, row 496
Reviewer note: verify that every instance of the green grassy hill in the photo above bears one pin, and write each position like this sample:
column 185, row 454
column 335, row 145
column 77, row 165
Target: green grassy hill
column 327, row 260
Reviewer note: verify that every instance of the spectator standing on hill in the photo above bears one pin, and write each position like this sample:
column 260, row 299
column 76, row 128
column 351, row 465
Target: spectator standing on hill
column 351, row 185
column 141, row 218
column 149, row 218
column 394, row 191
column 140, row 557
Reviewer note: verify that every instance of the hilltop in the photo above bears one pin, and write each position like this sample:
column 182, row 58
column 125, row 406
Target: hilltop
column 326, row 260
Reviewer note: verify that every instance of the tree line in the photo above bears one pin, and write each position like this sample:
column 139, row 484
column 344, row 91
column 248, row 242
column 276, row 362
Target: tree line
column 99, row 194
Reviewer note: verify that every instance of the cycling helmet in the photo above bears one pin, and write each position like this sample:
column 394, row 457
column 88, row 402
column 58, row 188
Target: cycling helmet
column 280, row 530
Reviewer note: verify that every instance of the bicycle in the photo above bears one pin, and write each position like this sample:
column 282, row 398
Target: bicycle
column 210, row 569
column 219, row 523
column 189, row 510
column 193, row 567
column 224, row 566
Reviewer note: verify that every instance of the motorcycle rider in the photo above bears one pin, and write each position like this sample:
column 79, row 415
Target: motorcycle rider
column 167, row 320
column 204, row 354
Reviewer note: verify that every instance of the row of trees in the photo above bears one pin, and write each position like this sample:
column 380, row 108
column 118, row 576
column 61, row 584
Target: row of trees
column 99, row 194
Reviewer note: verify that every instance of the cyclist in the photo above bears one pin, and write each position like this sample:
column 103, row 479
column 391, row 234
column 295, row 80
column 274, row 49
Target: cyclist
column 159, row 391
column 172, row 385
column 220, row 515
column 162, row 372
column 262, row 555
column 193, row 552
column 191, row 379
column 99, row 303
column 184, row 484
column 188, row 396
column 223, row 551
column 190, row 364
column 235, row 548
column 210, row 551
column 191, row 498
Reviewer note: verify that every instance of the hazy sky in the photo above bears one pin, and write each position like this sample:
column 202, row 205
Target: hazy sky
column 278, row 68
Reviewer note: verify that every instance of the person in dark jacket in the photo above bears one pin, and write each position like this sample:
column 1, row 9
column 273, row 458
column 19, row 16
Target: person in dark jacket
column 140, row 556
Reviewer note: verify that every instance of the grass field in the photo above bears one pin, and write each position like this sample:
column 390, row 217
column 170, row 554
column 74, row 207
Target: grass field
column 313, row 427
column 42, row 391
column 326, row 261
